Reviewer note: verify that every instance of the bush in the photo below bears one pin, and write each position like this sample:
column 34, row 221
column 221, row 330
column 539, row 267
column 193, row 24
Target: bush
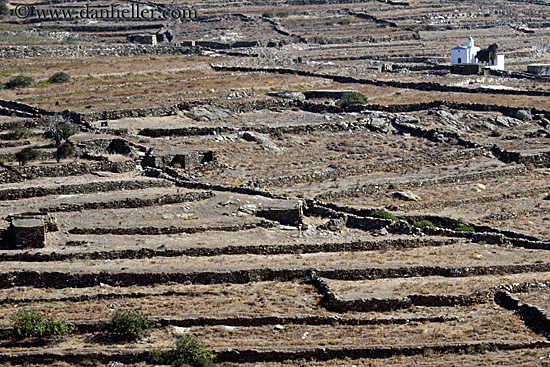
column 20, row 82
column 351, row 98
column 383, row 214
column 268, row 15
column 18, row 132
column 423, row 223
column 3, row 9
column 130, row 324
column 59, row 77
column 65, row 150
column 34, row 324
column 189, row 351
column 283, row 14
column 26, row 155
column 465, row 228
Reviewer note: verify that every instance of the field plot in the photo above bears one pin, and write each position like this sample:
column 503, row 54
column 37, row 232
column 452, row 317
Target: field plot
column 289, row 183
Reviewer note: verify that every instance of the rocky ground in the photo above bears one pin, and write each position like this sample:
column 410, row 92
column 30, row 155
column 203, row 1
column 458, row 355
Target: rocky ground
column 228, row 201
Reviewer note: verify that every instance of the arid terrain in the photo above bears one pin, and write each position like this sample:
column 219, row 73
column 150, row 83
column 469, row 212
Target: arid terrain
column 222, row 183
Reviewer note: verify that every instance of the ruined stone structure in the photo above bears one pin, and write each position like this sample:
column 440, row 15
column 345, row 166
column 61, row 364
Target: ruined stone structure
column 27, row 233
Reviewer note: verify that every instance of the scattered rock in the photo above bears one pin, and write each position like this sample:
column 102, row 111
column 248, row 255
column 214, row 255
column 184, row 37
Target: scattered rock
column 406, row 195
column 407, row 119
column 378, row 124
column 298, row 96
column 208, row 113
column 263, row 140
column 248, row 208
column 507, row 121
column 333, row 225
column 181, row 330
column 524, row 115
column 446, row 115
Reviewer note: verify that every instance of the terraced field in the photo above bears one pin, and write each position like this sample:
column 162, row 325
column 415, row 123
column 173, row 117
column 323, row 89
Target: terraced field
column 281, row 229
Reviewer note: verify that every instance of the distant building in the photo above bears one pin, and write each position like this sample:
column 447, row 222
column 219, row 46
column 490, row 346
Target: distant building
column 497, row 63
column 464, row 54
column 467, row 69
column 144, row 39
column 467, row 55
column 539, row 69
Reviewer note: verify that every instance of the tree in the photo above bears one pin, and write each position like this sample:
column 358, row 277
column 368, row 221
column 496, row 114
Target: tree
column 18, row 132
column 493, row 50
column 60, row 128
column 26, row 155
column 487, row 54
column 65, row 150
column 483, row 55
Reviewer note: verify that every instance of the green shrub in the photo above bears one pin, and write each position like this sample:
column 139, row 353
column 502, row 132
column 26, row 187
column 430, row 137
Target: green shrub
column 383, row 214
column 18, row 132
column 130, row 324
column 59, row 77
column 34, row 324
column 189, row 351
column 283, row 14
column 351, row 98
column 204, row 362
column 20, row 82
column 3, row 9
column 26, row 155
column 65, row 150
column 423, row 223
column 268, row 15
column 465, row 228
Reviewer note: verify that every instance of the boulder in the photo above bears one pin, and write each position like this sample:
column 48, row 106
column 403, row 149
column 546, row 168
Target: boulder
column 262, row 140
column 406, row 195
column 524, row 115
column 297, row 96
column 333, row 225
column 507, row 121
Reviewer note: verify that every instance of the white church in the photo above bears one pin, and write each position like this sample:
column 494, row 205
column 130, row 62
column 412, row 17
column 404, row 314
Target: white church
column 467, row 55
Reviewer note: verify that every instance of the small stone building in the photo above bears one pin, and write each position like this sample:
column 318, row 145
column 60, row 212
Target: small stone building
column 539, row 69
column 464, row 54
column 467, row 69
column 177, row 159
column 468, row 55
column 143, row 39
column 27, row 233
